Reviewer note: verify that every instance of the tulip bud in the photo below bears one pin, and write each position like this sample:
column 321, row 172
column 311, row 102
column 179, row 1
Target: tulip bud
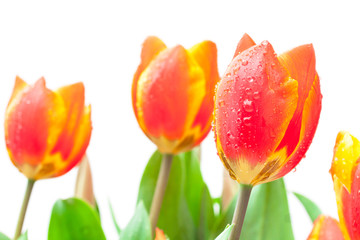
column 172, row 93
column 47, row 132
column 345, row 171
column 267, row 109
column 326, row 228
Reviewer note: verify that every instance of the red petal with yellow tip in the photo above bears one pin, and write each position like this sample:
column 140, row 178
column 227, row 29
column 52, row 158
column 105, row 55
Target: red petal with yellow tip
column 205, row 54
column 326, row 228
column 165, row 94
column 152, row 46
column 244, row 43
column 254, row 104
column 28, row 121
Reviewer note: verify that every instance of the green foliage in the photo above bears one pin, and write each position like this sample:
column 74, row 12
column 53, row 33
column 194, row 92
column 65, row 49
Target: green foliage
column 117, row 226
column 187, row 210
column 3, row 237
column 268, row 216
column 311, row 208
column 139, row 226
column 225, row 234
column 23, row 236
column 74, row 219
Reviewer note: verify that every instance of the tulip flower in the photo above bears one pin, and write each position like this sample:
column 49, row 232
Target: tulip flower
column 345, row 171
column 47, row 132
column 267, row 109
column 172, row 96
column 326, row 228
column 172, row 93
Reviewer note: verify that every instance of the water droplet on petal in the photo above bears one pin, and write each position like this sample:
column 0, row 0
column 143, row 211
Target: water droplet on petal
column 247, row 121
column 244, row 63
column 248, row 106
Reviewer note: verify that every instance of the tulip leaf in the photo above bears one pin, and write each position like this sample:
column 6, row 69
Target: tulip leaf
column 198, row 196
column 267, row 216
column 23, row 236
column 224, row 218
column 311, row 208
column 226, row 233
column 117, row 226
column 74, row 219
column 182, row 205
column 139, row 226
column 3, row 237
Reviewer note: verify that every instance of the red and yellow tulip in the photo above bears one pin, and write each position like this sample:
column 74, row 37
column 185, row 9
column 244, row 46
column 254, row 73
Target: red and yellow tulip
column 172, row 93
column 47, row 132
column 326, row 228
column 267, row 109
column 345, row 171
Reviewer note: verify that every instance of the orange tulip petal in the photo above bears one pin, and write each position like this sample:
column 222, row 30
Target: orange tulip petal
column 159, row 234
column 164, row 105
column 259, row 97
column 326, row 228
column 205, row 54
column 309, row 122
column 244, row 43
column 152, row 46
column 73, row 97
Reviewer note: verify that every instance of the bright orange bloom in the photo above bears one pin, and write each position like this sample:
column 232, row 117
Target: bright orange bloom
column 172, row 93
column 159, row 234
column 267, row 109
column 46, row 132
column 326, row 228
column 345, row 171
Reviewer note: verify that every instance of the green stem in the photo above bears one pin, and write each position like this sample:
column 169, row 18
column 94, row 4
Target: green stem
column 240, row 211
column 160, row 190
column 20, row 223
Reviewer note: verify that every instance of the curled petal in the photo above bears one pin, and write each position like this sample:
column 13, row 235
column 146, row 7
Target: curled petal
column 326, row 228
column 205, row 54
column 152, row 46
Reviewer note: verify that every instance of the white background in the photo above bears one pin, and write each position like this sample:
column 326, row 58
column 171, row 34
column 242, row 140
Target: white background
column 99, row 43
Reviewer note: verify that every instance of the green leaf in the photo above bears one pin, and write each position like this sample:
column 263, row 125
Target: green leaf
column 73, row 219
column 175, row 217
column 117, row 227
column 3, row 237
column 267, row 216
column 23, row 236
column 311, row 208
column 224, row 219
column 139, row 226
column 226, row 233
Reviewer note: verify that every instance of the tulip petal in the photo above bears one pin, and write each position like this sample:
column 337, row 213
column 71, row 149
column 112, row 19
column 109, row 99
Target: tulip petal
column 345, row 171
column 326, row 228
column 19, row 86
column 258, row 93
column 73, row 97
column 205, row 54
column 300, row 62
column 152, row 46
column 165, row 113
column 30, row 125
column 244, row 43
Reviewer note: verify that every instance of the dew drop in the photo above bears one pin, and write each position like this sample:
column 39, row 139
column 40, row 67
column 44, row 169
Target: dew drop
column 256, row 95
column 248, row 106
column 250, row 79
column 244, row 63
column 248, row 91
column 247, row 121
